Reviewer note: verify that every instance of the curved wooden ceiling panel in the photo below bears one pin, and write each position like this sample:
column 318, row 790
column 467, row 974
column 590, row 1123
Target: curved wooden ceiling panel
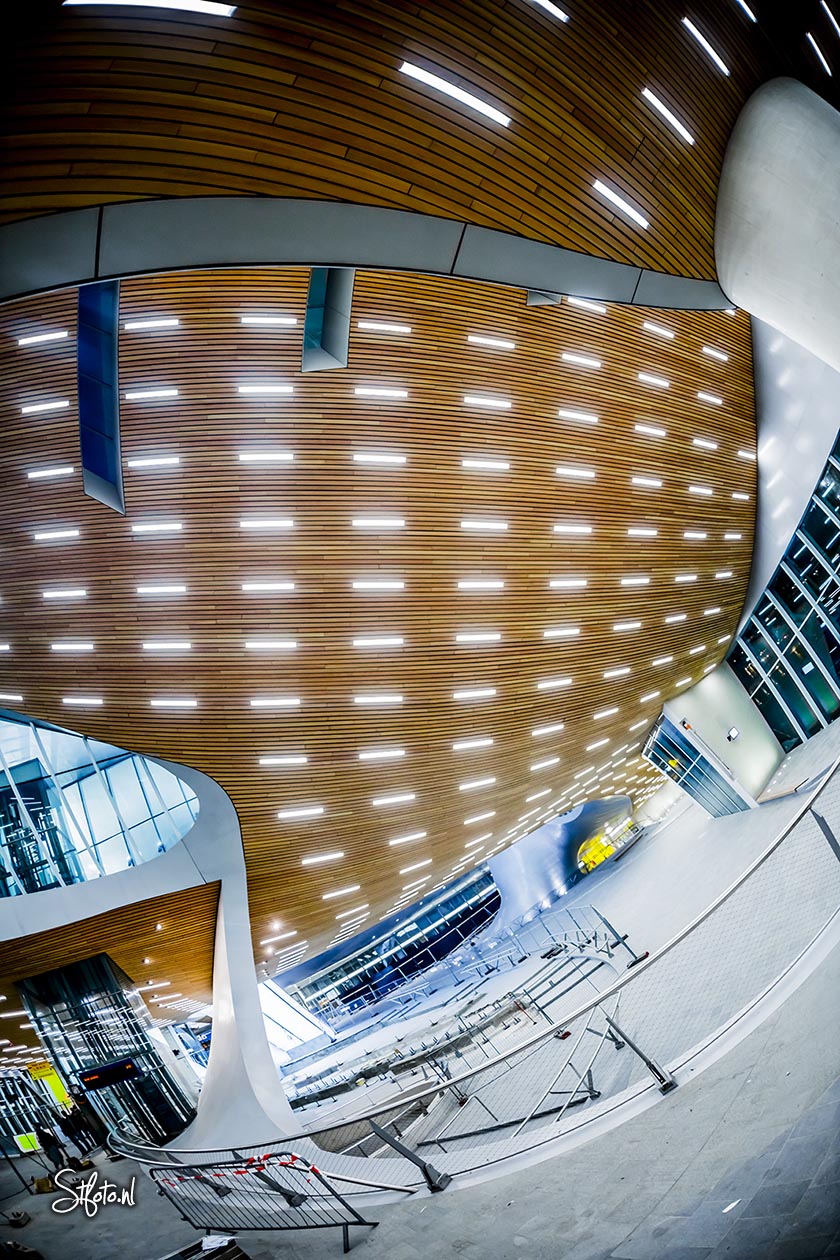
column 399, row 490
column 306, row 100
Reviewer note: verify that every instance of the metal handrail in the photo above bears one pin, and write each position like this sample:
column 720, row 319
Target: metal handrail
column 587, row 1007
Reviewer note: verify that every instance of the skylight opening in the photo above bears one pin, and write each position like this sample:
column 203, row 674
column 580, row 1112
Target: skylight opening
column 474, row 693
column 381, row 754
column 44, row 474
column 267, row 587
column 34, row 409
column 275, row 702
column 400, row 798
column 407, row 839
column 620, row 203
column 583, row 417
column 819, row 53
column 648, row 378
column 572, row 529
column 379, row 457
column 635, row 581
column 706, row 46
column 567, row 584
column 485, row 400
column 483, row 526
column 375, row 325
column 578, row 474
column 714, row 353
column 379, row 641
column 620, row 671
column 378, row 584
column 494, row 343
column 552, row 684
column 671, row 118
column 552, row 729
column 466, row 745
column 440, row 84
column 713, row 399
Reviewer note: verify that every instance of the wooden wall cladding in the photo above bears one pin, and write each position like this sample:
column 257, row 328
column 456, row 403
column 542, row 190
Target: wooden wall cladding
column 326, row 426
column 305, row 99
column 180, row 952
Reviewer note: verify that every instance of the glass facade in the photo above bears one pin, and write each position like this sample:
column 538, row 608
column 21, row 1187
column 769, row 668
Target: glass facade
column 788, row 654
column 669, row 749
column 72, row 809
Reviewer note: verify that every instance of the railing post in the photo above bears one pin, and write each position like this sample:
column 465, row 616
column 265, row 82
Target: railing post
column 435, row 1180
column 662, row 1076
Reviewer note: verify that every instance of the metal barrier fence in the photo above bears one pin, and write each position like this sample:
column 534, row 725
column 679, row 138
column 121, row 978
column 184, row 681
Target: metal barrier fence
column 633, row 1036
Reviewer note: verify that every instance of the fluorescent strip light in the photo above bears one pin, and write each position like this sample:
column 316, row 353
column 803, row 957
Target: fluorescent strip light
column 740, row 496
column 377, row 457
column 635, row 581
column 710, row 398
column 620, row 626
column 38, row 338
column 147, row 395
column 154, row 461
column 724, row 638
column 382, row 754
column 34, row 409
column 376, row 641
column 378, row 522
column 13, row 697
column 685, row 577
column 562, row 632
column 746, row 455
column 173, row 702
column 42, row 474
column 495, row 343
column 374, row 325
column 637, row 726
column 300, row 811
column 211, row 8
column 68, row 646
column 270, row 645
column 284, row 759
column 651, row 430
column 268, row 321
column 267, row 522
column 415, row 866
column 819, row 53
column 705, row 444
column 642, row 531
column 732, row 537
column 620, row 671
column 552, row 684
column 275, row 702
column 651, row 695
column 599, row 743
column 674, row 619
column 141, row 325
column 340, row 892
column 585, row 305
column 585, row 417
column 662, row 660
column 624, row 206
column 472, row 784
column 382, row 698
column 346, row 914
column 696, row 535
column 379, row 391
column 706, row 490
column 484, row 400
column 255, row 588
column 695, row 651
column 459, row 94
column 658, row 329
column 93, row 702
column 478, row 636
column 552, row 9
column 604, row 713
column 412, row 835
column 579, row 474
column 682, row 681
column 662, row 108
column 716, row 354
column 322, row 857
column 474, row 693
column 567, row 584
column 649, row 379
column 378, row 584
column 582, row 360
column 266, row 457
column 706, row 46
column 486, row 465
column 543, row 765
column 572, row 529
column 480, row 584
column 497, row 527
column 464, row 745
column 477, row 818
column 724, row 573
column 65, row 592
column 156, row 527
column 535, row 796
column 265, row 389
column 400, row 799
column 51, row 535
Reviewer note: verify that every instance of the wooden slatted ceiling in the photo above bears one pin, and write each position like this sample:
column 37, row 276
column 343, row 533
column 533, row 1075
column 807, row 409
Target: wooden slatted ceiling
column 324, row 424
column 180, row 952
column 306, row 100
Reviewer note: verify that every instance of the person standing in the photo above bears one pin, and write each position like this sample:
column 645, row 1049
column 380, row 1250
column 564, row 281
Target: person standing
column 51, row 1146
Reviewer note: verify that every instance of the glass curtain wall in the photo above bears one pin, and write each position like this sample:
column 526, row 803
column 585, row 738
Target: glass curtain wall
column 72, row 809
column 672, row 752
column 788, row 654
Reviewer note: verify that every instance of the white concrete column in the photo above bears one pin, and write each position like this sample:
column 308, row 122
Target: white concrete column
column 777, row 228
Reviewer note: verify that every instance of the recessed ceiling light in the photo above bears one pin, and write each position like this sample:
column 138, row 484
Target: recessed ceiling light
column 642, row 531
column 275, row 702
column 564, row 528
column 695, row 651
column 270, row 645
column 211, row 8
column 562, row 632
column 150, row 395
column 474, row 693
column 724, row 638
column 685, row 577
column 376, row 325
column 682, row 681
column 662, row 108
column 552, row 684
column 156, row 527
column 651, row 430
column 732, row 537
column 696, row 535
column 283, row 759
column 651, row 695
column 472, row 784
column 486, row 465
column 552, row 729
column 713, row 353
column 650, row 483
column 34, row 409
column 340, row 892
column 266, row 457
column 706, row 46
column 346, row 914
column 448, row 88
column 707, row 490
column 658, row 329
column 379, row 640
column 576, row 473
column 584, row 417
column 300, row 811
column 705, row 444
column 378, row 584
column 485, row 400
column 476, row 818
column 380, row 391
column 553, row 9
column 83, row 702
column 173, row 702
column 620, row 203
column 832, row 19
column 603, row 713
column 44, row 474
column 480, row 584
column 68, row 645
column 65, row 592
column 724, row 573
column 383, row 697
column 35, row 339
column 495, row 343
column 55, row 535
column 264, row 389
column 635, row 581
column 637, row 726
column 482, row 526
column 407, row 839
column 318, row 858
column 674, row 619
column 381, row 754
column 267, row 586
column 581, row 360
column 586, row 305
column 710, row 398
column 648, row 378
column 266, row 522
column 711, row 612
column 819, row 52
column 400, row 798
column 567, row 584
column 746, row 455
column 143, row 325
column 740, row 496
column 167, row 645
column 620, row 671
column 543, row 765
column 620, row 626
column 599, row 743
column 378, row 522
column 662, row 660
column 464, row 745
column 378, row 457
